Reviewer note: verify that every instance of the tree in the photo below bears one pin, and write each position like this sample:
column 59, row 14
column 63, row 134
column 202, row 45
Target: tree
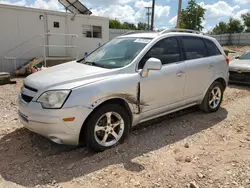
column 115, row 24
column 127, row 25
column 246, row 19
column 142, row 26
column 220, row 28
column 192, row 16
column 234, row 26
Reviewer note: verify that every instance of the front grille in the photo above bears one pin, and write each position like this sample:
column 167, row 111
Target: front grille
column 25, row 93
column 241, row 77
column 30, row 88
column 26, row 98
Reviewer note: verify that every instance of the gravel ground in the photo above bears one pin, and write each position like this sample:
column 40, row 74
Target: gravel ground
column 207, row 150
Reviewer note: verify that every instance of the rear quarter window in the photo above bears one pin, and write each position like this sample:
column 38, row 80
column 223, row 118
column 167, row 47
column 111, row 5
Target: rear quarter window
column 212, row 49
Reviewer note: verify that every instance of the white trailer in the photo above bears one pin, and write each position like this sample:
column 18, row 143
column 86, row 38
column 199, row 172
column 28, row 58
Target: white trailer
column 26, row 33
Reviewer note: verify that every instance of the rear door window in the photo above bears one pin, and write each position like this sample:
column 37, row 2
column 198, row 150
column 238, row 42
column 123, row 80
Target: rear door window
column 194, row 47
column 212, row 49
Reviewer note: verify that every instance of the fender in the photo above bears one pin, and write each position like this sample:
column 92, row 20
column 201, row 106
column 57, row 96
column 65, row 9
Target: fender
column 133, row 100
column 217, row 76
column 130, row 100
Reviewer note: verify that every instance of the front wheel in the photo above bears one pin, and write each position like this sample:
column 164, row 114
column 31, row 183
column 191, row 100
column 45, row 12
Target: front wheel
column 107, row 127
column 213, row 98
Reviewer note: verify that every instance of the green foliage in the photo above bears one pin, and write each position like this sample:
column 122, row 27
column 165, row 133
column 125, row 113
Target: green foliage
column 116, row 24
column 142, row 26
column 220, row 28
column 246, row 19
column 192, row 16
column 234, row 26
column 127, row 25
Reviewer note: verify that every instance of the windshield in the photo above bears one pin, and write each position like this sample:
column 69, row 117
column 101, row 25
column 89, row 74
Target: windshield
column 117, row 53
column 245, row 56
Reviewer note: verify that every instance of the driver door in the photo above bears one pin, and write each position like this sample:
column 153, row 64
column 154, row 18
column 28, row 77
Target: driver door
column 163, row 90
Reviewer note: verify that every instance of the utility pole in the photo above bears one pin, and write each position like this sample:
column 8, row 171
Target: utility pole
column 179, row 14
column 153, row 15
column 148, row 13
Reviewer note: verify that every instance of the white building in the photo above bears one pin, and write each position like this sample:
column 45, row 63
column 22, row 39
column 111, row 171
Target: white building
column 24, row 29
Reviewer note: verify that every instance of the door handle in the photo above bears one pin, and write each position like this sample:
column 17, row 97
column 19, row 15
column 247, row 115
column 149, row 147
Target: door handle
column 179, row 74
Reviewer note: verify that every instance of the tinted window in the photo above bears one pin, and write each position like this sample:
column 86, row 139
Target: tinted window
column 245, row 56
column 194, row 47
column 167, row 50
column 212, row 48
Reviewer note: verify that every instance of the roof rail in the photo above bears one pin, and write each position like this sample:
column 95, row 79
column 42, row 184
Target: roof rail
column 180, row 30
column 138, row 31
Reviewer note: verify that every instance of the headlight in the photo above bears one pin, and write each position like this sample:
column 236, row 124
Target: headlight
column 53, row 99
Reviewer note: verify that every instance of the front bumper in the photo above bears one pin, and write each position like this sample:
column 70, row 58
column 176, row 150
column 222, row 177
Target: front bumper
column 49, row 122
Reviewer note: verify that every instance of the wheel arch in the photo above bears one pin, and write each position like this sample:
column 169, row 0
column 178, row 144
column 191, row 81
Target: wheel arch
column 110, row 100
column 222, row 81
column 205, row 104
column 220, row 78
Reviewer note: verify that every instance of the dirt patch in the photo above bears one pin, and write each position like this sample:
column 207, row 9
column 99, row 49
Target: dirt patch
column 238, row 49
column 187, row 147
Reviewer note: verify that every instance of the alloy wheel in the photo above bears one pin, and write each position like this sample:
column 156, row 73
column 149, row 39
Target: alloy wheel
column 215, row 97
column 109, row 129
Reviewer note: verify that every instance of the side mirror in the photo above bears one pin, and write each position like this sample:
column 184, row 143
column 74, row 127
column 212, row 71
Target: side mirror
column 151, row 64
column 237, row 57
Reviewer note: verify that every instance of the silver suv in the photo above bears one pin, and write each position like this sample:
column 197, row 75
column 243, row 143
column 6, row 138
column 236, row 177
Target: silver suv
column 131, row 79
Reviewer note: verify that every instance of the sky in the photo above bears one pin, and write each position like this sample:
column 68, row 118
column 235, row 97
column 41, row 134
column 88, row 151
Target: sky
column 134, row 11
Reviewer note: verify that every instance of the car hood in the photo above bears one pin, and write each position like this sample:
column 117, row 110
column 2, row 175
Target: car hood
column 239, row 64
column 68, row 76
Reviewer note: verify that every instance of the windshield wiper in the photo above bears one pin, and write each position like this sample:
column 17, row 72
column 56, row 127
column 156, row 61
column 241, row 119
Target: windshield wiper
column 87, row 62
column 80, row 60
column 92, row 63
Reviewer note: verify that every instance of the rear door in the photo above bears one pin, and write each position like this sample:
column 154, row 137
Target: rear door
column 199, row 67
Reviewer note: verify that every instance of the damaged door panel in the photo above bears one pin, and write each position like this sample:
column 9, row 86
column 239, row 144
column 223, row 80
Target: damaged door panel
column 131, row 99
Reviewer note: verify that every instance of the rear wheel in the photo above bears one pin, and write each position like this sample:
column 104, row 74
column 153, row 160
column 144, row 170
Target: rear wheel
column 107, row 127
column 213, row 98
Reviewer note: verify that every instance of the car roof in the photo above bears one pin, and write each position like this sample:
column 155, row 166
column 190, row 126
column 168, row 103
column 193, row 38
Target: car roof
column 158, row 34
column 141, row 35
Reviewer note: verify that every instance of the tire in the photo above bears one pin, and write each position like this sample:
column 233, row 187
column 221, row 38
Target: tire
column 206, row 104
column 94, row 135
